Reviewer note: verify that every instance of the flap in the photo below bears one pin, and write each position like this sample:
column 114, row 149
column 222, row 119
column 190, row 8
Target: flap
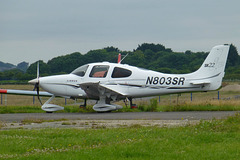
column 115, row 88
column 97, row 89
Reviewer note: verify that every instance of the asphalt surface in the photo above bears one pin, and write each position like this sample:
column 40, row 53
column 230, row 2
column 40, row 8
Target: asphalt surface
column 205, row 115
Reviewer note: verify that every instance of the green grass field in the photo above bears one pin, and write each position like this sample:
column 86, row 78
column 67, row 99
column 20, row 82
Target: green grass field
column 216, row 139
column 145, row 108
column 153, row 106
column 201, row 101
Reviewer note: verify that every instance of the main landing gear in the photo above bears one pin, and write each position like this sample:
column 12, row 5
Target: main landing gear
column 131, row 104
column 84, row 105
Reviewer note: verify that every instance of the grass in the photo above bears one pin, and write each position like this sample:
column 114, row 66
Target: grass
column 20, row 109
column 1, row 124
column 201, row 107
column 37, row 109
column 216, row 139
column 35, row 120
column 152, row 107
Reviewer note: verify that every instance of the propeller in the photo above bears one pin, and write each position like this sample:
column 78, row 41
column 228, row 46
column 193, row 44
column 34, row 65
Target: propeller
column 36, row 83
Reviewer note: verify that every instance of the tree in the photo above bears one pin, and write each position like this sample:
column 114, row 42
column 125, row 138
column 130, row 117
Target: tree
column 188, row 52
column 43, row 68
column 13, row 74
column 67, row 63
column 150, row 56
column 23, row 66
column 151, row 46
column 233, row 57
column 111, row 49
column 136, row 59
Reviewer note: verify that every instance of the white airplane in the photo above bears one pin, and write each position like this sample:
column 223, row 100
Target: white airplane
column 106, row 82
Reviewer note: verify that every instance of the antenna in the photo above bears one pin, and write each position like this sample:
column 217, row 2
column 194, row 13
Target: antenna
column 124, row 58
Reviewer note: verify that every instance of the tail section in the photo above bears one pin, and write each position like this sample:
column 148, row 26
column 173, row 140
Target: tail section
column 212, row 70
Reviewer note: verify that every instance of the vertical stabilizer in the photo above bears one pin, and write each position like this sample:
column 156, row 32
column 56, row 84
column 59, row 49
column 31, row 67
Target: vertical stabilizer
column 212, row 70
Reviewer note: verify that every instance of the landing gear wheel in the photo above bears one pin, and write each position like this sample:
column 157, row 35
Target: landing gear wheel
column 132, row 106
column 48, row 112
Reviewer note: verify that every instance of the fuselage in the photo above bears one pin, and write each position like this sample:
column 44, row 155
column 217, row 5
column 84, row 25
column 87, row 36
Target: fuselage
column 132, row 81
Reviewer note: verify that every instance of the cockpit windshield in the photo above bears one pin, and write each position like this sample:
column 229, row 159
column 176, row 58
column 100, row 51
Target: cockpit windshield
column 80, row 71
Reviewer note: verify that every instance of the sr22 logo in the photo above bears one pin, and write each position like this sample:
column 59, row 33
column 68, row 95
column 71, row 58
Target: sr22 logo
column 209, row 65
column 165, row 80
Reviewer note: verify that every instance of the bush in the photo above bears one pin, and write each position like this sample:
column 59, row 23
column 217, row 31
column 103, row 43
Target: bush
column 153, row 105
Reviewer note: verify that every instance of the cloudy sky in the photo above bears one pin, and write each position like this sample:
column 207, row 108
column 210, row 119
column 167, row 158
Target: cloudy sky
column 31, row 30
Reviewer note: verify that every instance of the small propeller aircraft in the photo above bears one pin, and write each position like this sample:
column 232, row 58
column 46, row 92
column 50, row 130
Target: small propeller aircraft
column 107, row 82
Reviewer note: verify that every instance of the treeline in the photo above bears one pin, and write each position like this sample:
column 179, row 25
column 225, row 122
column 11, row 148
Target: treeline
column 7, row 66
column 150, row 56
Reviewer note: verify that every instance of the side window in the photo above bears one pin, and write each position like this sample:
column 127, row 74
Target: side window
column 121, row 73
column 99, row 71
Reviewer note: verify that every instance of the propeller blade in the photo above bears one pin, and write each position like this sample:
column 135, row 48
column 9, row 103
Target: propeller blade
column 37, row 84
column 38, row 93
column 34, row 87
column 38, row 71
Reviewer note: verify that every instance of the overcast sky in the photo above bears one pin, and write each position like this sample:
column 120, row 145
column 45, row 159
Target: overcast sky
column 32, row 30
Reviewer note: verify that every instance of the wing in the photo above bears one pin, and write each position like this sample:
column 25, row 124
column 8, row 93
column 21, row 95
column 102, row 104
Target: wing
column 24, row 92
column 95, row 90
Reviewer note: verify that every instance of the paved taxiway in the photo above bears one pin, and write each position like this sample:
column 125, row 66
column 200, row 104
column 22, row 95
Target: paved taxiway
column 207, row 115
